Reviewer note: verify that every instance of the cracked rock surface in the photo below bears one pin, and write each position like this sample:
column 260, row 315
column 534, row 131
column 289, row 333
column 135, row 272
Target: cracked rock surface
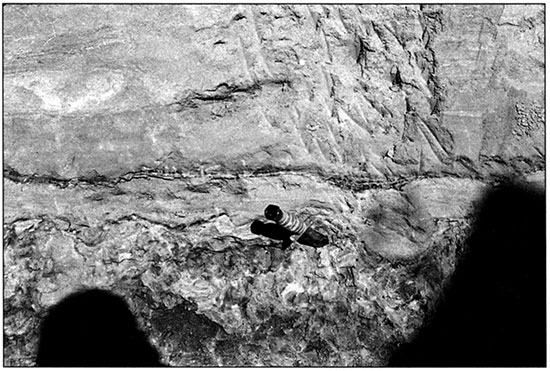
column 141, row 142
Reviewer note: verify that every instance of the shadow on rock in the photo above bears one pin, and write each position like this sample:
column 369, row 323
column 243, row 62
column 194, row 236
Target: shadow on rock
column 93, row 328
column 186, row 335
column 493, row 312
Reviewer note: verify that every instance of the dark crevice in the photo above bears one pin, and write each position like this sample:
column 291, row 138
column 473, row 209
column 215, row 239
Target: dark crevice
column 239, row 16
column 225, row 92
column 432, row 23
column 170, row 226
column 16, row 177
column 11, row 174
column 362, row 48
column 353, row 182
column 381, row 32
column 360, row 184
column 134, row 217
column 205, row 220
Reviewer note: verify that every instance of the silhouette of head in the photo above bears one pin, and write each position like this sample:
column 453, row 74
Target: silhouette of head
column 93, row 328
column 493, row 312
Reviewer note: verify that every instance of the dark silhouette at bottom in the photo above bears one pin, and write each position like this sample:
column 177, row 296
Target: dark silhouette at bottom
column 93, row 328
column 494, row 312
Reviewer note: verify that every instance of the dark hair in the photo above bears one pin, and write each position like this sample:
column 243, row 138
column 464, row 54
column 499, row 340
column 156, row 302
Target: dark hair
column 93, row 328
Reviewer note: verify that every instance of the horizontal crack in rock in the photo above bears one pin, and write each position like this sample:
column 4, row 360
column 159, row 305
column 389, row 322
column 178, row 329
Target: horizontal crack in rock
column 351, row 182
column 134, row 217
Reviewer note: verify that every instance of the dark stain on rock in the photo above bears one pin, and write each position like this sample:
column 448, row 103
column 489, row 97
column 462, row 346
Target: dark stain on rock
column 184, row 329
column 276, row 326
column 321, row 349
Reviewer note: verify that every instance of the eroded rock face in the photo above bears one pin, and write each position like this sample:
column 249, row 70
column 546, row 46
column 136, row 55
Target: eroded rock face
column 142, row 141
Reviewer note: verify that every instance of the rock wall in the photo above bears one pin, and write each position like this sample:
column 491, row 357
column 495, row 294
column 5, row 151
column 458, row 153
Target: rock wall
column 141, row 142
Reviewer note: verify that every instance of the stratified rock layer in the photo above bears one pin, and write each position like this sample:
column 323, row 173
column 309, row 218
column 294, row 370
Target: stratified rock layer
column 140, row 143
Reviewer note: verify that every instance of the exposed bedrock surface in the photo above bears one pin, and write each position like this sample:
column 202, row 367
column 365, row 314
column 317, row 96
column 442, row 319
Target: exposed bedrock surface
column 140, row 143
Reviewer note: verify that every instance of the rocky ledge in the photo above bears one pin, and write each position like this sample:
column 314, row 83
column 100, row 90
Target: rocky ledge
column 141, row 142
